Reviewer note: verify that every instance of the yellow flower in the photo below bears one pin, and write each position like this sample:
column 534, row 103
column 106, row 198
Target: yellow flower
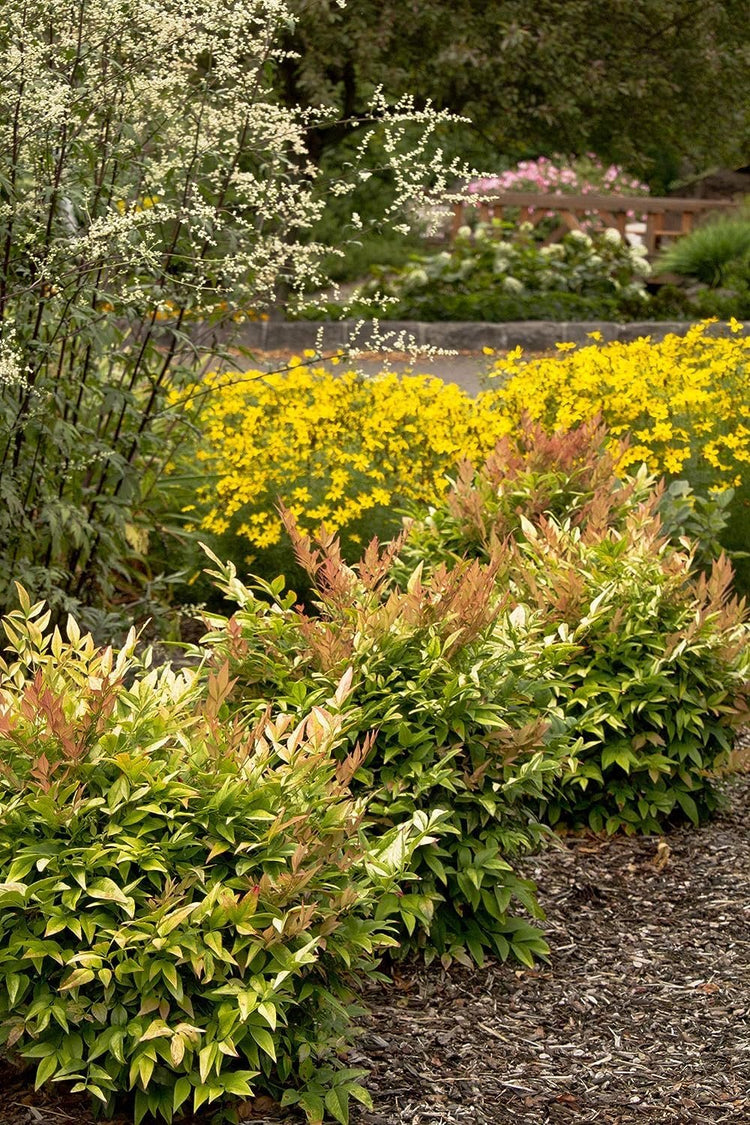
column 677, row 396
column 335, row 446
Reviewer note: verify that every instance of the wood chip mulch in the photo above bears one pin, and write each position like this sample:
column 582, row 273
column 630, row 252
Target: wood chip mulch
column 642, row 1015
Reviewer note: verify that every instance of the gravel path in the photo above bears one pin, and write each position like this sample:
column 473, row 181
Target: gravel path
column 642, row 1016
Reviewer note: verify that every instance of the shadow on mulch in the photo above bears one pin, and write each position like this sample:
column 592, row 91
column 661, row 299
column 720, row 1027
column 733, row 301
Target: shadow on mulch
column 641, row 1017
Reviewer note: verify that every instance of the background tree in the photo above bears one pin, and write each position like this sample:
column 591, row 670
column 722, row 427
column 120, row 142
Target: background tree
column 648, row 83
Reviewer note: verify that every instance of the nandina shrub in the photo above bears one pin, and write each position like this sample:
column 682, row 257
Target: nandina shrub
column 186, row 901
column 653, row 686
column 569, row 474
column 658, row 683
column 447, row 694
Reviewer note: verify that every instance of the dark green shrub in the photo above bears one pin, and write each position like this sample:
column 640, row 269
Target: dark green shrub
column 447, row 694
column 702, row 520
column 186, row 903
column 502, row 272
column 490, row 306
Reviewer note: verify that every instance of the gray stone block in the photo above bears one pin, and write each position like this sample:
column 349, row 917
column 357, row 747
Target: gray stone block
column 534, row 335
column 468, row 336
column 458, row 336
column 579, row 331
column 656, row 329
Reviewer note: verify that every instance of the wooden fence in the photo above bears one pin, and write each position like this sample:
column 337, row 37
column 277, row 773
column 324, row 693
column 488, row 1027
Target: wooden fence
column 665, row 218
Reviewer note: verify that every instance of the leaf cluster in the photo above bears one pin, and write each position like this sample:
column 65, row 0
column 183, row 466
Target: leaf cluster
column 502, row 266
column 658, row 681
column 186, row 901
column 447, row 695
column 716, row 253
column 655, row 681
column 640, row 82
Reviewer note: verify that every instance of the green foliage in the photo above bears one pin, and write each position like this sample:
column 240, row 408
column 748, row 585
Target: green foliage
column 702, row 520
column 493, row 308
column 186, row 902
column 736, row 538
column 715, row 253
column 669, row 302
column 121, row 220
column 155, row 192
column 531, row 475
column 651, row 82
column 446, row 692
column 654, row 682
column 655, row 686
column 502, row 272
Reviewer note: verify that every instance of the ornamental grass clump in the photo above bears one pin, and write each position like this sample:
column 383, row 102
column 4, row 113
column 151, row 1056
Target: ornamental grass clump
column 655, row 682
column 186, row 901
column 716, row 253
column 457, row 708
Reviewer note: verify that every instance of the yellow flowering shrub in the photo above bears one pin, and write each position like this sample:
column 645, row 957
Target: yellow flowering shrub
column 336, row 449
column 682, row 402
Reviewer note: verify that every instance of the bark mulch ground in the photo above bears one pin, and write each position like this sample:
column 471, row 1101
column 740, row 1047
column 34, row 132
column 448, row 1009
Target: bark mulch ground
column 642, row 1016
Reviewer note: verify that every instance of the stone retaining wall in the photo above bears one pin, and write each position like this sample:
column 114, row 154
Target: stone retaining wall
column 532, row 335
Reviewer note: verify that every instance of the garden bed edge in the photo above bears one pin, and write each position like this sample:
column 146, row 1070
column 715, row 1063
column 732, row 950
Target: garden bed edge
column 532, row 335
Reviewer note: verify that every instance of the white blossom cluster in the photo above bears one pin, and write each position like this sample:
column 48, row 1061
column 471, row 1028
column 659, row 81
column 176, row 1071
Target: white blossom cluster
column 155, row 190
column 152, row 160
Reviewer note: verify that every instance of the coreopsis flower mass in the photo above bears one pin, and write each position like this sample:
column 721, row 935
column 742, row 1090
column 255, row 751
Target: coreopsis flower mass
column 335, row 447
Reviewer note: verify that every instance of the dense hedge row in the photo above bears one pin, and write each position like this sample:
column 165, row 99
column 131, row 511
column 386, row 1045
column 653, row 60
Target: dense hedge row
column 199, row 868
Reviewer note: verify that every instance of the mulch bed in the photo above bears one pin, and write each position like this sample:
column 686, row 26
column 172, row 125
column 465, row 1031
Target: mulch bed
column 643, row 1014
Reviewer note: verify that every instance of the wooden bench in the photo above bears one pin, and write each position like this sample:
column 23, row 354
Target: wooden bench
column 666, row 218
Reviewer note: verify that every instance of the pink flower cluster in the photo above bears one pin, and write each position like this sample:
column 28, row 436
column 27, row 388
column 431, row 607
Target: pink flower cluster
column 584, row 176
